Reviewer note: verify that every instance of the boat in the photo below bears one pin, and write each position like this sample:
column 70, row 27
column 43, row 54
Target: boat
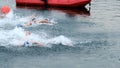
column 54, row 3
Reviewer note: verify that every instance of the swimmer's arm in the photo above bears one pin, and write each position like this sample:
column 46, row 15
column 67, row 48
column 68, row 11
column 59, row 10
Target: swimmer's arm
column 39, row 44
column 32, row 16
column 44, row 21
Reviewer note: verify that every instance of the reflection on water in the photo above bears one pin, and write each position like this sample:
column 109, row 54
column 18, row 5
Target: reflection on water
column 73, row 11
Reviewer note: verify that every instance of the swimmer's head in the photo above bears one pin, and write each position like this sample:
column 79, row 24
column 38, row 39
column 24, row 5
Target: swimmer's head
column 33, row 19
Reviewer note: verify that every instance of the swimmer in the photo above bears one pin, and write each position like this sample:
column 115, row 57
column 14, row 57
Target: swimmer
column 34, row 21
column 24, row 25
column 27, row 43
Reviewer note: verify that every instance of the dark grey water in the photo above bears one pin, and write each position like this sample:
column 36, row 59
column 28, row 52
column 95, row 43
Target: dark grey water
column 95, row 35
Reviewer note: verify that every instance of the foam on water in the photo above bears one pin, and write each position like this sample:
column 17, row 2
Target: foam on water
column 10, row 19
column 61, row 40
column 10, row 14
column 16, row 36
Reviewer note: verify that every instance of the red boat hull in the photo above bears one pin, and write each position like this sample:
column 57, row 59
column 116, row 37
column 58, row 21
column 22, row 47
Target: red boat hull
column 54, row 3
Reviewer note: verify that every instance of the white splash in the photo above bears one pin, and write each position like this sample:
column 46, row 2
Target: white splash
column 10, row 14
column 10, row 19
column 60, row 40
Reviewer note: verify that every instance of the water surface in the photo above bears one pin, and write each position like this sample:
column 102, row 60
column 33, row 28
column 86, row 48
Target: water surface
column 94, row 35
